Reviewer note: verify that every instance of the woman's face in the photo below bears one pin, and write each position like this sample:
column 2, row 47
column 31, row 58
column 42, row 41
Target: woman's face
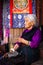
column 28, row 24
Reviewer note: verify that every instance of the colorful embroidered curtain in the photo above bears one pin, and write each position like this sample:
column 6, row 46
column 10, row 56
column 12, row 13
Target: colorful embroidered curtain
column 16, row 10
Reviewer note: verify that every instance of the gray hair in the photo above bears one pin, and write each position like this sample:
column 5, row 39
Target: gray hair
column 32, row 17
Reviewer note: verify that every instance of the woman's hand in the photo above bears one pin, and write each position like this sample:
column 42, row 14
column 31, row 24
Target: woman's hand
column 12, row 50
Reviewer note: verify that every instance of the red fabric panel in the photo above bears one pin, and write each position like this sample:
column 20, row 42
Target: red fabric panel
column 30, row 6
column 11, row 7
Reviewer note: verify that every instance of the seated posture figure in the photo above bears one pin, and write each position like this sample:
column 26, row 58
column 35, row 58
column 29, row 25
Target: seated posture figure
column 29, row 41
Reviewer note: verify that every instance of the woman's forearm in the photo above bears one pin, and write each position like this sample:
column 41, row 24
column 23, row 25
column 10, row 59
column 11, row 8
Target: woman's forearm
column 25, row 42
column 16, row 46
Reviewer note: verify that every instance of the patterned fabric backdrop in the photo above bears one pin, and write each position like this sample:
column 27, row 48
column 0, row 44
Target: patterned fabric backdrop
column 17, row 17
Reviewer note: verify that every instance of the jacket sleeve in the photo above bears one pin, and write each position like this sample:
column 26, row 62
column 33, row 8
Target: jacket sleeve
column 36, row 39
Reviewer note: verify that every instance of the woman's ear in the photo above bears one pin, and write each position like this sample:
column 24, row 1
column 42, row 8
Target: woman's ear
column 33, row 23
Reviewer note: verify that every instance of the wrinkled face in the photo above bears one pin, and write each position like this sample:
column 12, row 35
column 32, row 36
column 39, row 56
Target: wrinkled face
column 28, row 23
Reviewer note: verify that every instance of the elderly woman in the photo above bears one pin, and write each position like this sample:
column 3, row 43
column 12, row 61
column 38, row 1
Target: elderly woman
column 30, row 39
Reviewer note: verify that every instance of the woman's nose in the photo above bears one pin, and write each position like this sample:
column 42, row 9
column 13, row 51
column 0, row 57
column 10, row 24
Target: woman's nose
column 25, row 22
